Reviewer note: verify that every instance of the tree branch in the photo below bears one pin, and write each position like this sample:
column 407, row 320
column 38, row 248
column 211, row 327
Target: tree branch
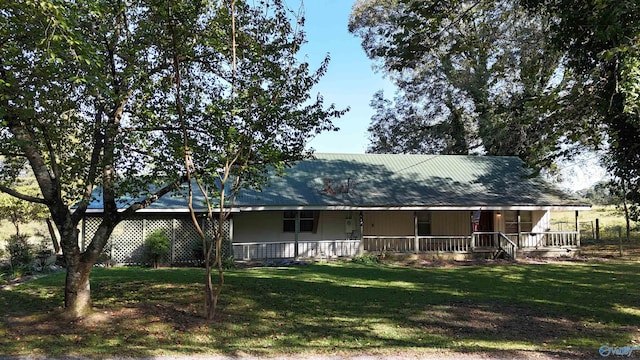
column 22, row 196
column 151, row 199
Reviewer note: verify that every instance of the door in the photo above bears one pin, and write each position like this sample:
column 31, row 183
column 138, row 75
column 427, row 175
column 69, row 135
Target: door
column 485, row 225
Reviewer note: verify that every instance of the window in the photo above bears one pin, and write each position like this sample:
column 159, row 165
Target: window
column 307, row 220
column 511, row 221
column 424, row 223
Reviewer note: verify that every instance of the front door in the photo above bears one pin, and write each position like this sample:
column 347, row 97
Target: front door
column 485, row 225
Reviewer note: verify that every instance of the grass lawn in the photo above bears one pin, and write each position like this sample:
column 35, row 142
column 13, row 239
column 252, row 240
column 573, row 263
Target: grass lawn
column 564, row 308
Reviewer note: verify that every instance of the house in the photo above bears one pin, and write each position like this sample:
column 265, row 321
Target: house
column 345, row 204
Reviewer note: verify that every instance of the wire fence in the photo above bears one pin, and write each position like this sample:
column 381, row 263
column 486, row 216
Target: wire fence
column 597, row 230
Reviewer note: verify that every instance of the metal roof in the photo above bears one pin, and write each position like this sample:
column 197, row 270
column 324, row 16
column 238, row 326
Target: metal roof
column 403, row 180
column 381, row 181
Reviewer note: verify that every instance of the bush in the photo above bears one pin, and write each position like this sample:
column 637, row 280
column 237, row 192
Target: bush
column 229, row 263
column 157, row 246
column 20, row 251
column 366, row 259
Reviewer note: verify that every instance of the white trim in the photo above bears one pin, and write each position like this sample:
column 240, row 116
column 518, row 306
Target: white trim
column 412, row 208
column 365, row 208
column 165, row 211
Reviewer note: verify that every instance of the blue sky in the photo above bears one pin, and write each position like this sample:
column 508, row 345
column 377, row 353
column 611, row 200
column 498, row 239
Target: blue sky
column 350, row 80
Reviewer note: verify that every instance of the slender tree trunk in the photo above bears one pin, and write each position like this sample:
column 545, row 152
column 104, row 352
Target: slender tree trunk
column 54, row 238
column 626, row 214
column 210, row 298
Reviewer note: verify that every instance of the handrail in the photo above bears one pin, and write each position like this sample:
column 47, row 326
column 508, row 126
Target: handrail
column 511, row 246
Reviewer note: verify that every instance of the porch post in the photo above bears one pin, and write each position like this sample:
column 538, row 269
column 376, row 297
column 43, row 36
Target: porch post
column 577, row 230
column 144, row 229
column 416, row 241
column 84, row 234
column 230, row 220
column 174, row 225
column 473, row 230
column 297, row 232
column 519, row 230
column 361, row 223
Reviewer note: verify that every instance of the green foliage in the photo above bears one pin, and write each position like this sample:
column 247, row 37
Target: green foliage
column 601, row 194
column 229, row 263
column 473, row 78
column 366, row 259
column 157, row 246
column 19, row 211
column 600, row 40
column 87, row 101
column 21, row 253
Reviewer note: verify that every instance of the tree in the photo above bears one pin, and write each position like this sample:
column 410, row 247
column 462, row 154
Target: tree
column 601, row 40
column 473, row 77
column 71, row 75
column 247, row 112
column 87, row 102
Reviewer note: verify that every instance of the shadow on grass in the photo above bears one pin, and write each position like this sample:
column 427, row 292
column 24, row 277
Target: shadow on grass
column 563, row 309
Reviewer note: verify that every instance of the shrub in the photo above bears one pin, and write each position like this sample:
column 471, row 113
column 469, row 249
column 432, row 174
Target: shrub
column 157, row 246
column 366, row 259
column 229, row 263
column 20, row 251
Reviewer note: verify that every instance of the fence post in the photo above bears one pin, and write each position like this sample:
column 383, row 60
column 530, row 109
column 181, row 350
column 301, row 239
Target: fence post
column 597, row 229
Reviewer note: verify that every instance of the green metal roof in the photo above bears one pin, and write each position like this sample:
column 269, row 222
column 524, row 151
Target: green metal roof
column 402, row 180
column 334, row 181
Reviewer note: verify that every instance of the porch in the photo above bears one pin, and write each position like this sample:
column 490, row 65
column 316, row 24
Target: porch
column 493, row 244
column 484, row 244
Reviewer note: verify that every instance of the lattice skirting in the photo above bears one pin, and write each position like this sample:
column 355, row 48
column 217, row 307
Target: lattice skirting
column 126, row 244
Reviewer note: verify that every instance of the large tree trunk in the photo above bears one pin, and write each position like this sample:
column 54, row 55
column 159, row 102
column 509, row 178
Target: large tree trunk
column 77, row 291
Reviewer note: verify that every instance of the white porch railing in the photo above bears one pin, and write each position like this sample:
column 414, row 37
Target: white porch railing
column 508, row 246
column 456, row 244
column 546, row 239
column 400, row 244
column 478, row 241
column 407, row 244
column 286, row 249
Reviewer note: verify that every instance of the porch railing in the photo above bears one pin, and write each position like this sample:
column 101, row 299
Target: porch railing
column 407, row 244
column 400, row 244
column 545, row 239
column 287, row 249
column 457, row 244
column 508, row 246
column 478, row 241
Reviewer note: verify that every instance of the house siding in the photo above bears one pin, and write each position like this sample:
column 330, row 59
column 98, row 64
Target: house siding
column 266, row 226
column 388, row 223
column 445, row 223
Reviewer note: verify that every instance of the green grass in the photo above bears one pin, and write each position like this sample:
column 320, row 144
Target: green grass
column 562, row 308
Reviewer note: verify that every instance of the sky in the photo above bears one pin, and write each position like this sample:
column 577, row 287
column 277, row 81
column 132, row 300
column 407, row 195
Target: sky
column 350, row 80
